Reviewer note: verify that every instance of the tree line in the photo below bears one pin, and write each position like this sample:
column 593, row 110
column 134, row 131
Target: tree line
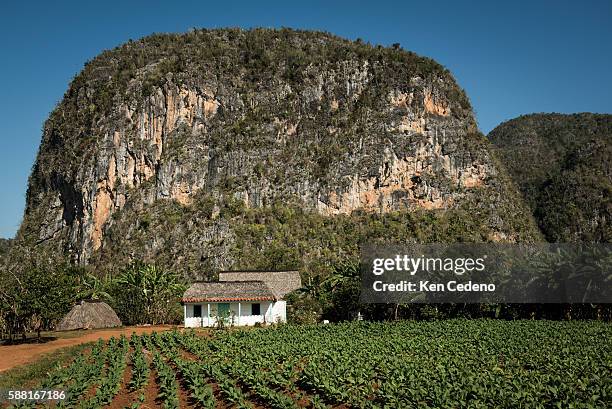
column 145, row 294
column 336, row 298
column 38, row 299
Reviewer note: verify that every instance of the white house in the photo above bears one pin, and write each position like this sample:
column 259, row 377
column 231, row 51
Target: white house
column 240, row 298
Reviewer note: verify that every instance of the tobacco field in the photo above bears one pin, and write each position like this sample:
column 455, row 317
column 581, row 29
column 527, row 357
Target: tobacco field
column 437, row 364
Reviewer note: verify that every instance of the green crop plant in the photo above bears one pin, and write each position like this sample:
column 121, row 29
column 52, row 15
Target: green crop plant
column 410, row 364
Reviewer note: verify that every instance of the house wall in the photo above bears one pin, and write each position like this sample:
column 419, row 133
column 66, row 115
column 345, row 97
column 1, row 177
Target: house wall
column 271, row 312
column 279, row 312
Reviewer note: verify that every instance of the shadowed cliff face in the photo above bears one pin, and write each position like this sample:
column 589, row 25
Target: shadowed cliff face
column 250, row 119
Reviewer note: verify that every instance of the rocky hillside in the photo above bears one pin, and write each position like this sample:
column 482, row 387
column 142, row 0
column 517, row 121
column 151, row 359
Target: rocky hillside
column 261, row 149
column 5, row 245
column 563, row 166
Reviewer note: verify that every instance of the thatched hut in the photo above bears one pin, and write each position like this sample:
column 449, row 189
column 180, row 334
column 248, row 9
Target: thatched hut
column 89, row 315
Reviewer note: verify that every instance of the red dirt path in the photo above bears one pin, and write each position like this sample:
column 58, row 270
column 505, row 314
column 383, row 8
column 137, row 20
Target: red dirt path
column 15, row 355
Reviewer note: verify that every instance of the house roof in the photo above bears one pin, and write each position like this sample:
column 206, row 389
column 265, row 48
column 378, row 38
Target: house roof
column 279, row 282
column 228, row 291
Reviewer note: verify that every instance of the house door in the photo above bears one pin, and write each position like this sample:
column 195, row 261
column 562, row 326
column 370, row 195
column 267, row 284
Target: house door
column 197, row 313
column 224, row 311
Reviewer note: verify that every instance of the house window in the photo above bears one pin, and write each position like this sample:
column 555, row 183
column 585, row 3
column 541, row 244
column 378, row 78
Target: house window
column 197, row 311
column 256, row 309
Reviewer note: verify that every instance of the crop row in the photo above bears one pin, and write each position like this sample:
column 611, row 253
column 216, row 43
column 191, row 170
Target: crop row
column 458, row 363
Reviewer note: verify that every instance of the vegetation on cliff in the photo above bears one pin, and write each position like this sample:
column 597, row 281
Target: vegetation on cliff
column 285, row 235
column 562, row 164
column 5, row 245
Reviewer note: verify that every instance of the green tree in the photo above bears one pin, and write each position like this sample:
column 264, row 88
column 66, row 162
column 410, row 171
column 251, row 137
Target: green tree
column 144, row 293
column 343, row 287
column 94, row 288
column 36, row 299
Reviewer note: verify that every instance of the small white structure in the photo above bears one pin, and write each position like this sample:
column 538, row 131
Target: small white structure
column 240, row 298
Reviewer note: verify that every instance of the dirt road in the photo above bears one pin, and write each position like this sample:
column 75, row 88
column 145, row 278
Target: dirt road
column 15, row 355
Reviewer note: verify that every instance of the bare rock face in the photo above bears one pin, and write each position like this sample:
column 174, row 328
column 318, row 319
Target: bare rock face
column 227, row 118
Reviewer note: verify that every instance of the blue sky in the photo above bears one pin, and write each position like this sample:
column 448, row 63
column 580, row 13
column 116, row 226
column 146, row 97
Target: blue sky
column 512, row 59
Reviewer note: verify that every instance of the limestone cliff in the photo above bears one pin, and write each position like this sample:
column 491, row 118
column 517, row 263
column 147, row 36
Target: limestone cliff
column 174, row 130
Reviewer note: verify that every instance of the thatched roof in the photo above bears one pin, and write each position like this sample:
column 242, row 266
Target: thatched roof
column 280, row 282
column 89, row 315
column 228, row 291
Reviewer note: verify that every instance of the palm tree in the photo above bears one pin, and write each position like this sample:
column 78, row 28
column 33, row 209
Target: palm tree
column 342, row 274
column 92, row 288
column 155, row 288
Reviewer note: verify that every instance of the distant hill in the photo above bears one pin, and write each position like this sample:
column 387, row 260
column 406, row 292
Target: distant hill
column 563, row 166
